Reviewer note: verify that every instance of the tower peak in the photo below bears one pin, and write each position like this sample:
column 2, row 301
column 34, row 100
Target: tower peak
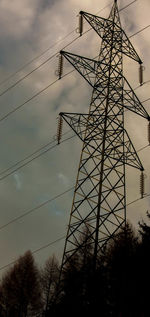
column 114, row 14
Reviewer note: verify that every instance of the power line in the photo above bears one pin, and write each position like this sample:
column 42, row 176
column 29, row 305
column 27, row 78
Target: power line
column 35, row 251
column 32, row 159
column 134, row 201
column 26, row 213
column 141, row 30
column 40, row 55
column 37, row 156
column 31, row 98
column 30, row 155
column 40, row 154
column 41, row 91
column 34, row 96
column 33, row 70
column 47, row 201
column 47, row 60
column 143, row 148
column 27, row 75
column 59, row 239
column 139, row 86
column 42, row 248
column 52, row 46
column 49, row 244
column 35, row 58
column 127, row 5
column 146, row 100
column 25, row 158
column 43, row 63
column 42, row 147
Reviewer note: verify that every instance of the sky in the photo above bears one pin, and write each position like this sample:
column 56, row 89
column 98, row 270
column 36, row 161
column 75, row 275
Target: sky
column 27, row 29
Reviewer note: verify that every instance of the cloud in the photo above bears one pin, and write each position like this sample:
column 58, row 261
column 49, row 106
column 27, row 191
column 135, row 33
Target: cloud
column 63, row 179
column 18, row 181
column 17, row 17
column 26, row 29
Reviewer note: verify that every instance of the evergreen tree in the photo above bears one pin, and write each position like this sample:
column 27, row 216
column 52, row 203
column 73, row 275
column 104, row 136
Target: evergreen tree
column 122, row 280
column 143, row 263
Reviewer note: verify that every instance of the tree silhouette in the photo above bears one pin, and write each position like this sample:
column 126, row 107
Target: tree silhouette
column 49, row 280
column 144, row 266
column 123, row 271
column 117, row 287
column 20, row 288
column 83, row 287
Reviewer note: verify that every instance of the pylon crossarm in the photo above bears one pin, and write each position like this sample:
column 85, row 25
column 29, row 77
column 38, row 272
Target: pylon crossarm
column 124, row 151
column 132, row 102
column 97, row 23
column 131, row 156
column 80, row 123
column 114, row 149
column 128, row 49
column 85, row 66
column 90, row 68
column 86, row 130
column 121, row 41
column 93, row 126
column 90, row 120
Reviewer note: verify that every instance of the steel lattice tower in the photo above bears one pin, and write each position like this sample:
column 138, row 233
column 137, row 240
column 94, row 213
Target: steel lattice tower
column 100, row 193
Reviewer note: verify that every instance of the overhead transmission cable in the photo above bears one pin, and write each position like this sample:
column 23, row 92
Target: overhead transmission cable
column 26, row 213
column 23, row 163
column 52, row 56
column 32, row 97
column 8, row 171
column 32, row 154
column 41, row 91
column 127, row 5
column 38, row 150
column 59, row 239
column 146, row 100
column 30, row 157
column 43, row 63
column 72, row 188
column 52, row 46
column 35, row 58
column 145, row 82
column 27, row 75
column 36, row 68
column 39, row 56
column 35, row 251
column 141, row 30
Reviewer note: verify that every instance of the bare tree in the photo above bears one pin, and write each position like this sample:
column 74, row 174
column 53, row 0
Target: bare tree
column 49, row 279
column 20, row 288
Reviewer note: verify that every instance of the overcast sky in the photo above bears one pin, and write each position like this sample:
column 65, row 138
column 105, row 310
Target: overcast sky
column 27, row 28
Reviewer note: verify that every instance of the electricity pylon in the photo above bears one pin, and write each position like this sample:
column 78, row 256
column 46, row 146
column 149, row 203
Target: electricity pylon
column 99, row 200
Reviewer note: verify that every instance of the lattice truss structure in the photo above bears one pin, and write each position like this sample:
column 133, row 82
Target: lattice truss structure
column 99, row 200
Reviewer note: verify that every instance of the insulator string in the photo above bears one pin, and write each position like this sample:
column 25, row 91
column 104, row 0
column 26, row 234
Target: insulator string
column 141, row 68
column 59, row 71
column 59, row 129
column 142, row 184
column 149, row 132
column 80, row 24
